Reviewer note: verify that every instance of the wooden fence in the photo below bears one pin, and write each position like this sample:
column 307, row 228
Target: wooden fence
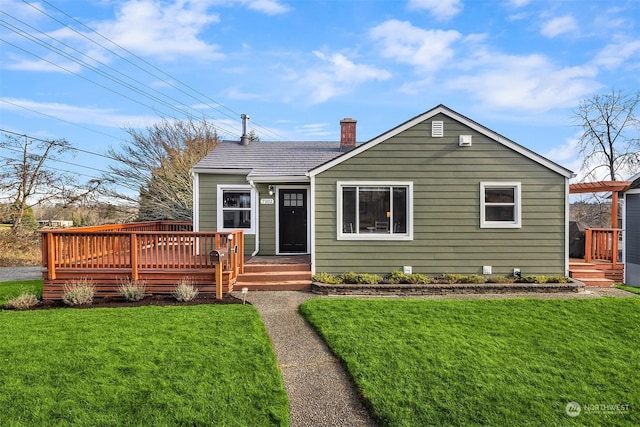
column 160, row 253
column 602, row 244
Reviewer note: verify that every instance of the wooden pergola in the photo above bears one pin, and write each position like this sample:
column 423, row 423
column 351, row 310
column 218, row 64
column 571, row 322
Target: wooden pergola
column 602, row 243
column 614, row 187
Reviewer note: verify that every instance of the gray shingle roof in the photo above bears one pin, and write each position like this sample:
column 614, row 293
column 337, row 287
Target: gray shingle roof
column 270, row 159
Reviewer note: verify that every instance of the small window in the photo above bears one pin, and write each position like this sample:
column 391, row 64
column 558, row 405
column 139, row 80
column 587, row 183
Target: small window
column 374, row 210
column 236, row 208
column 500, row 205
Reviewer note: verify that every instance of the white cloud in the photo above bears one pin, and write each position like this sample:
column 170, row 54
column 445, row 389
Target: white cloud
column 269, row 7
column 525, row 83
column 560, row 25
column 78, row 114
column 614, row 54
column 51, row 63
column 428, row 50
column 337, row 75
column 567, row 155
column 153, row 28
column 440, row 9
column 518, row 3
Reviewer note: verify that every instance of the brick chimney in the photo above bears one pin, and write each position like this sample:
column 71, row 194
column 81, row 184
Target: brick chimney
column 347, row 134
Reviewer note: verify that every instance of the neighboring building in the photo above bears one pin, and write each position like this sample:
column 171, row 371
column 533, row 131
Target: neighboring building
column 631, row 235
column 439, row 193
column 55, row 223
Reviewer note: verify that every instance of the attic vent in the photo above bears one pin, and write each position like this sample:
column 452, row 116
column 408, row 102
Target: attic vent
column 464, row 141
column 437, row 129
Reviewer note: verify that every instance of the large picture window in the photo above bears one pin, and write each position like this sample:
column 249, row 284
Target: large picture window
column 375, row 210
column 500, row 205
column 236, row 208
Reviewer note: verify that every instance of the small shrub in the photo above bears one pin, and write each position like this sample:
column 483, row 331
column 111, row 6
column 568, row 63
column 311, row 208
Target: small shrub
column 78, row 292
column 185, row 290
column 410, row 279
column 132, row 290
column 449, row 278
column 360, row 278
column 330, row 279
column 23, row 301
column 501, row 279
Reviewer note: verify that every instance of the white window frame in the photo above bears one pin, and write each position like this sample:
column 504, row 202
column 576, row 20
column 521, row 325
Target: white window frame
column 221, row 188
column 341, row 235
column 517, row 204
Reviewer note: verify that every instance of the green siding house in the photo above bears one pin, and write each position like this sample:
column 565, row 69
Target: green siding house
column 439, row 193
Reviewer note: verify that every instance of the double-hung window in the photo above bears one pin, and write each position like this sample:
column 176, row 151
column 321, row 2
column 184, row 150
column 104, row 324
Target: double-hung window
column 375, row 210
column 500, row 205
column 236, row 208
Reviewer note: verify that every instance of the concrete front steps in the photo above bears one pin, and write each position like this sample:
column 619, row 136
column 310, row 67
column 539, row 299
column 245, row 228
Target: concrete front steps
column 589, row 274
column 275, row 277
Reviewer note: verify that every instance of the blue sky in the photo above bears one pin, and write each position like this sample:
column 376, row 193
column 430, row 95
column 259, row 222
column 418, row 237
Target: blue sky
column 518, row 67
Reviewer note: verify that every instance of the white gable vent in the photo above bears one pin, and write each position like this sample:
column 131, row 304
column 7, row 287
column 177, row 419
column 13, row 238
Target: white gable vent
column 464, row 141
column 437, row 129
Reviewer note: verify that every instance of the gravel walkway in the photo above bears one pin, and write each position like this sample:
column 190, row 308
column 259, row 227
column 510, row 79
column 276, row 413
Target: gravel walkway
column 320, row 392
column 20, row 273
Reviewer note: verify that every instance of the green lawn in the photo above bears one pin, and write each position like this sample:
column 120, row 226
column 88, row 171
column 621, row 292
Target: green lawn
column 161, row 366
column 16, row 288
column 489, row 362
column 632, row 289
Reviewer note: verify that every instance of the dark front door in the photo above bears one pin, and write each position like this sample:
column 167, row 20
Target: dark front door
column 293, row 220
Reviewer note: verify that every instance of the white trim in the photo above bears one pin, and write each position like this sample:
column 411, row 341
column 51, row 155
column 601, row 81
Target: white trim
column 624, row 236
column 279, row 178
column 257, row 225
column 566, row 227
column 517, row 223
column 292, row 187
column 196, row 201
column 220, row 188
column 312, row 224
column 441, row 109
column 340, row 235
column 222, row 171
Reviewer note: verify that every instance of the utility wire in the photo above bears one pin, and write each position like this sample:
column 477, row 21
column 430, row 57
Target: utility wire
column 235, row 114
column 56, row 118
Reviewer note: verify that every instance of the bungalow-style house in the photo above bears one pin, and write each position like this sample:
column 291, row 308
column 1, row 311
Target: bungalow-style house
column 439, row 193
column 631, row 236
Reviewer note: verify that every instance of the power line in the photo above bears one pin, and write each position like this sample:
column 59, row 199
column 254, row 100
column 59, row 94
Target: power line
column 234, row 117
column 51, row 140
column 56, row 118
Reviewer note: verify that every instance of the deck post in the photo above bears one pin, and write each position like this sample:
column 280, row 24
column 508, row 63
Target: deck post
column 587, row 245
column 218, row 276
column 51, row 259
column 133, row 251
column 614, row 248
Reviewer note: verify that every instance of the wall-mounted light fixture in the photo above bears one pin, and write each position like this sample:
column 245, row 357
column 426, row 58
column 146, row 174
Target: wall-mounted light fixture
column 272, row 190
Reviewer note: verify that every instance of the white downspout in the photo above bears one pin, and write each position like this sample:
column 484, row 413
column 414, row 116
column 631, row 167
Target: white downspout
column 257, row 219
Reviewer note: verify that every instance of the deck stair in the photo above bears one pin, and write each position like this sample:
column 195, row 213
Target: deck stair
column 589, row 274
column 261, row 275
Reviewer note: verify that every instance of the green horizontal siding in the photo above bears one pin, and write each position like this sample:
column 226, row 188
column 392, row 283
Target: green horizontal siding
column 446, row 185
column 207, row 209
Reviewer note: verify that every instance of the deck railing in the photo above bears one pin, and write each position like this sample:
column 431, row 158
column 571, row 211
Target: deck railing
column 140, row 246
column 602, row 244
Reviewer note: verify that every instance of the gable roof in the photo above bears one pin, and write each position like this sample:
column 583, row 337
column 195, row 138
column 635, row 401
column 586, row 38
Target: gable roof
column 264, row 161
column 268, row 161
column 441, row 109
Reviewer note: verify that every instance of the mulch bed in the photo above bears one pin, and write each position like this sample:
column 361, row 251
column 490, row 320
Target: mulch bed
column 156, row 300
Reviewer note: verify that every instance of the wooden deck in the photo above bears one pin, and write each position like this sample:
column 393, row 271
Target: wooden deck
column 160, row 253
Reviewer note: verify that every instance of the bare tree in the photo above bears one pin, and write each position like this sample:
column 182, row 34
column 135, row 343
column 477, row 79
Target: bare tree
column 155, row 165
column 610, row 138
column 27, row 179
